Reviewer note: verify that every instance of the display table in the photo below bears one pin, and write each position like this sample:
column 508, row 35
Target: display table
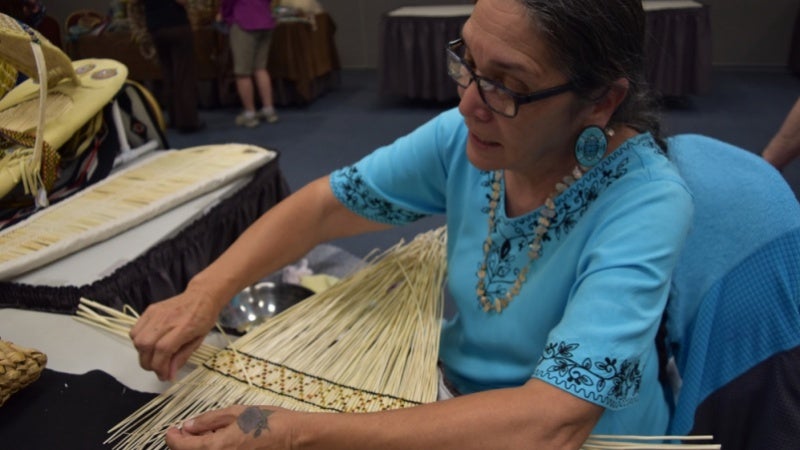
column 120, row 47
column 413, row 41
column 154, row 260
column 678, row 47
column 304, row 62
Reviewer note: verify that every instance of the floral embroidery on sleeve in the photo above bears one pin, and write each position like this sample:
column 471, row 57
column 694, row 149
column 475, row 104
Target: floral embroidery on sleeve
column 350, row 188
column 610, row 382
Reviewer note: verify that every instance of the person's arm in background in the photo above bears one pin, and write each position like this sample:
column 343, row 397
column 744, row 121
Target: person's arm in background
column 785, row 145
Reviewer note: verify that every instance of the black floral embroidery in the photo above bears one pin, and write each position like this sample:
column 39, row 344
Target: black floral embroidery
column 509, row 250
column 350, row 189
column 613, row 382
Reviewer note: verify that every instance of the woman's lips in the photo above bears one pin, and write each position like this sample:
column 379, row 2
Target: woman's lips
column 480, row 142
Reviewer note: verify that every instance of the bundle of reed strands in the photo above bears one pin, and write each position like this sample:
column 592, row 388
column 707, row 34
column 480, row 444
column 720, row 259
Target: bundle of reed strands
column 123, row 200
column 120, row 323
column 368, row 343
column 620, row 442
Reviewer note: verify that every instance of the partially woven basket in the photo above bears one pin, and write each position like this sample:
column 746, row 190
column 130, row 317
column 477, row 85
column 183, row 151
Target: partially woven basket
column 19, row 367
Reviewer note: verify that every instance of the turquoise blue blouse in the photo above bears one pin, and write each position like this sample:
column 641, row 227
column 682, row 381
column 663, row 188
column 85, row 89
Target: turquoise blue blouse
column 586, row 318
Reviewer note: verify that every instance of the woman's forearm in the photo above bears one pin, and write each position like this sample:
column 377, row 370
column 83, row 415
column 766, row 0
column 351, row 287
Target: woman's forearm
column 536, row 415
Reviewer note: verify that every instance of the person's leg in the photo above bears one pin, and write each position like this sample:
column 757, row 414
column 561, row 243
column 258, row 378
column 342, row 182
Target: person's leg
column 242, row 48
column 184, row 68
column 264, row 84
column 262, row 77
column 164, row 54
column 244, row 86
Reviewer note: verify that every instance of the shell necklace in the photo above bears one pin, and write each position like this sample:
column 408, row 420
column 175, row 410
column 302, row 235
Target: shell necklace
column 541, row 225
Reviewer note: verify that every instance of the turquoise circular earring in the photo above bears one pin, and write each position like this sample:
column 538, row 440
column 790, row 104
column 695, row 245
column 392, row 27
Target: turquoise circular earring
column 591, row 146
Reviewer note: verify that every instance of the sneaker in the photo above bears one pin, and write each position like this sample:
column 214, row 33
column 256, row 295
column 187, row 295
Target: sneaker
column 269, row 117
column 247, row 120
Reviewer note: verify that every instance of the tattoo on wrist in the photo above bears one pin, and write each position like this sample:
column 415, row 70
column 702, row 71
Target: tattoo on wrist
column 254, row 419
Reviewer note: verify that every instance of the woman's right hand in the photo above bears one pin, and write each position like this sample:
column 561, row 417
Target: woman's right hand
column 169, row 331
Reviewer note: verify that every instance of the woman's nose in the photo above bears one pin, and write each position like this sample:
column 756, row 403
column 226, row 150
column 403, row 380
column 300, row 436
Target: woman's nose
column 471, row 103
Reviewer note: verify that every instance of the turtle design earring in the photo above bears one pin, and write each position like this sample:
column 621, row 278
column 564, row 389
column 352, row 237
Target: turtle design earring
column 591, row 146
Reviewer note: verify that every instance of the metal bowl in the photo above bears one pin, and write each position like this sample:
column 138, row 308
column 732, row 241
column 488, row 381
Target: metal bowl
column 257, row 303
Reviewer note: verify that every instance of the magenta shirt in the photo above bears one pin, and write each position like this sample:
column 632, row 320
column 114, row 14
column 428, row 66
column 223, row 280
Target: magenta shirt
column 248, row 14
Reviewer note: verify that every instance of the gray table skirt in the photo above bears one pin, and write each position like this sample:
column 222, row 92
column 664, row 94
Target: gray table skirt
column 412, row 63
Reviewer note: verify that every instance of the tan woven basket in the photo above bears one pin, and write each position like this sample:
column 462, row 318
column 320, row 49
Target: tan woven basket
column 19, row 367
column 8, row 77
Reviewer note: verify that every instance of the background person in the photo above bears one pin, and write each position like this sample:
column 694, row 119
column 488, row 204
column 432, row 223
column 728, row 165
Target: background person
column 251, row 24
column 564, row 216
column 166, row 24
column 784, row 147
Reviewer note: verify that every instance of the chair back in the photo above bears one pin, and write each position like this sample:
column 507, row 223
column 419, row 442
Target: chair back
column 733, row 320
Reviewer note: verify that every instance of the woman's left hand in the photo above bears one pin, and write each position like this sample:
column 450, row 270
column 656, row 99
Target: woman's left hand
column 236, row 427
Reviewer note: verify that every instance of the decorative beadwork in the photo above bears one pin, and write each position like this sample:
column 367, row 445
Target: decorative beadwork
column 591, row 146
column 303, row 387
column 547, row 214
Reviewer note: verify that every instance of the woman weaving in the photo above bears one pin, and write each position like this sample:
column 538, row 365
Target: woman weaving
column 564, row 222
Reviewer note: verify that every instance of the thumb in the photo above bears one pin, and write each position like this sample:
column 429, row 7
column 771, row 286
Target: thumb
column 183, row 355
column 211, row 421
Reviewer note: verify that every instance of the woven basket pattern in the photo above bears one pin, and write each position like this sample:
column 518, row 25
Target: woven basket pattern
column 8, row 77
column 19, row 367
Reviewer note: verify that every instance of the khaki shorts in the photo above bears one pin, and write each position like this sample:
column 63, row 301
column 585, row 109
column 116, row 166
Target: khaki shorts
column 250, row 49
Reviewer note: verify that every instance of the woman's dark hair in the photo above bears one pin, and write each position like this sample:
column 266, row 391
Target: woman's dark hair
column 596, row 43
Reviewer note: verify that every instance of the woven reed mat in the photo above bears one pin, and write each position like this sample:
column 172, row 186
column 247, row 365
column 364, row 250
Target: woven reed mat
column 125, row 199
column 19, row 367
column 368, row 343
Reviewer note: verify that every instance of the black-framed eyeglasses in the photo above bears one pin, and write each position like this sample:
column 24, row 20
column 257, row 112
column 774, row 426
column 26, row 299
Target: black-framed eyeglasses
column 497, row 97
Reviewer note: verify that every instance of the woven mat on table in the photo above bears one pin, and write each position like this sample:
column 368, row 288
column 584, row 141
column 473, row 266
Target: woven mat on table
column 123, row 200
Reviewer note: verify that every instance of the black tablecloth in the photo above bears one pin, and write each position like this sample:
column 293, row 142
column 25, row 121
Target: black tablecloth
column 65, row 411
column 412, row 61
column 413, row 64
column 678, row 51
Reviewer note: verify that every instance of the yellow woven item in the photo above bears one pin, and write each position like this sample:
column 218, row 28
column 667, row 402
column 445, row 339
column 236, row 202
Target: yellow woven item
column 18, row 43
column 19, row 367
column 37, row 124
column 8, row 77
column 30, row 141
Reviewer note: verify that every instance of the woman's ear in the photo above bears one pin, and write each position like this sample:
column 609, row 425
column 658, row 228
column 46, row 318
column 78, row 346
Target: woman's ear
column 609, row 101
